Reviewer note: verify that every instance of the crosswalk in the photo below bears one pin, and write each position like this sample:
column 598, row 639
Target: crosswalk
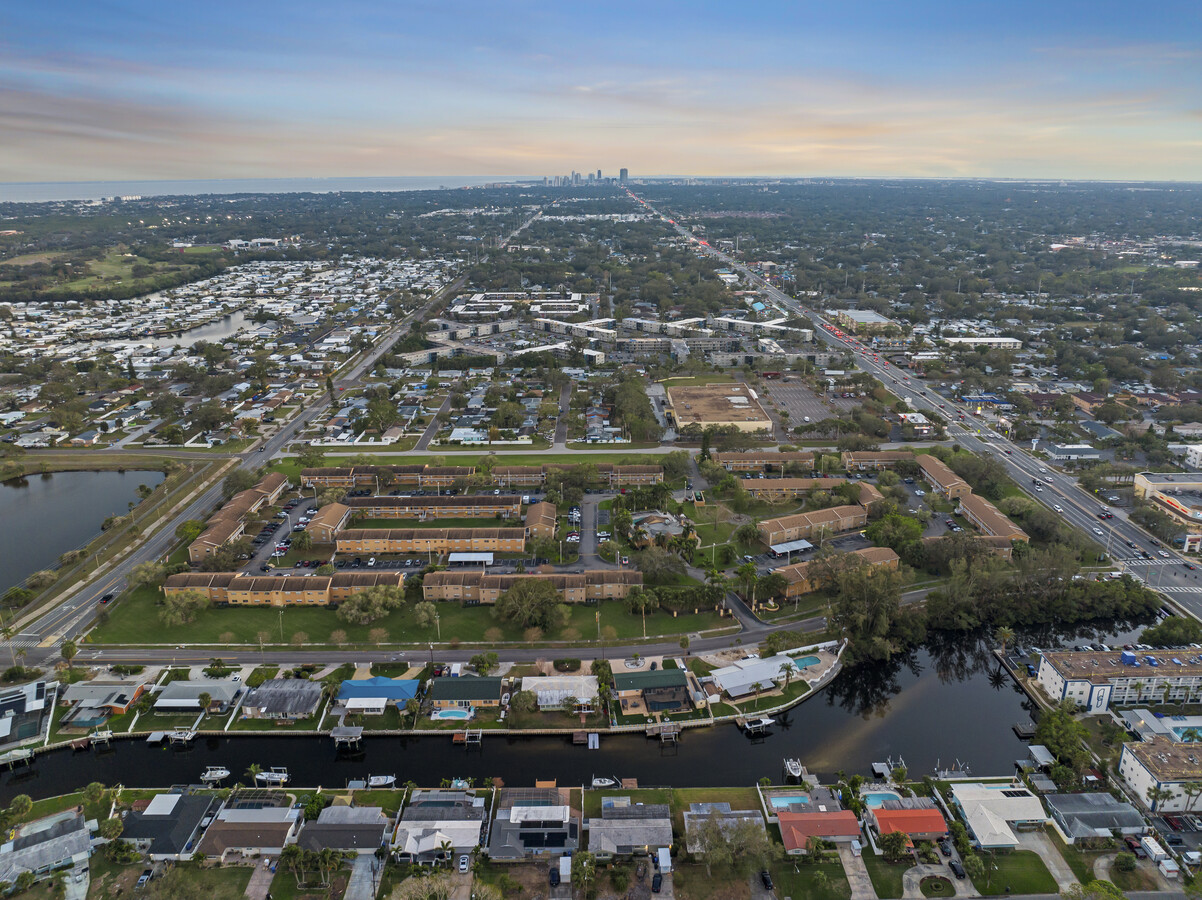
column 1138, row 561
column 1170, row 589
column 22, row 641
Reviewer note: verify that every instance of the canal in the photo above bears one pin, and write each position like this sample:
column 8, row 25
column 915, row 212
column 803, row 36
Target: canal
column 215, row 331
column 944, row 705
column 43, row 516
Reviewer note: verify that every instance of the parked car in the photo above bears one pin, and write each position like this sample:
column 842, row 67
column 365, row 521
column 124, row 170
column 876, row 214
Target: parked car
column 766, row 878
column 945, row 847
column 554, row 876
column 463, row 863
column 657, row 882
column 957, row 869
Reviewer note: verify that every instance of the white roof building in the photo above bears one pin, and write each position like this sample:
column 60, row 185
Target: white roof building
column 990, row 810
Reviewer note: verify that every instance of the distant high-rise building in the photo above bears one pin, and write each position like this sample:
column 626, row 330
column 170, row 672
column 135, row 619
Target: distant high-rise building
column 623, row 174
column 598, row 174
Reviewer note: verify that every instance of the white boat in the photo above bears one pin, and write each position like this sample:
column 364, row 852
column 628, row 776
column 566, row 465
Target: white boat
column 274, row 775
column 793, row 767
column 760, row 723
column 605, row 782
column 214, row 774
column 381, row 781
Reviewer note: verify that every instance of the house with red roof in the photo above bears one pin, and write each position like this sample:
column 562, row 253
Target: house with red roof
column 918, row 823
column 837, row 825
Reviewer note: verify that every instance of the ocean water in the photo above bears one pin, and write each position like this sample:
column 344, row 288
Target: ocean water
column 41, row 192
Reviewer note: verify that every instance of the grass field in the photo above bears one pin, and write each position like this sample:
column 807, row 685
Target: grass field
column 711, row 378
column 472, row 457
column 797, row 880
column 1018, row 872
column 134, row 620
column 886, row 877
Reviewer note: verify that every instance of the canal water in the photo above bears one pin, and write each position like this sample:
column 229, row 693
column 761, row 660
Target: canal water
column 215, row 331
column 945, row 705
column 43, row 516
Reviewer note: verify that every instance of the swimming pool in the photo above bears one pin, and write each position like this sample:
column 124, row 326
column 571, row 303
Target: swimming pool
column 806, row 661
column 452, row 714
column 877, row 799
column 785, row 802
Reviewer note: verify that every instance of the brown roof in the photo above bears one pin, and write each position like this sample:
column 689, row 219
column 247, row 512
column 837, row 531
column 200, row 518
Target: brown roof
column 872, row 555
column 938, row 471
column 279, row 583
column 431, row 534
column 984, row 511
column 430, row 502
column 222, row 836
column 765, row 457
column 817, row 518
column 366, row 579
column 330, row 515
column 272, row 480
column 790, row 484
column 196, row 580
column 559, row 580
column 541, row 514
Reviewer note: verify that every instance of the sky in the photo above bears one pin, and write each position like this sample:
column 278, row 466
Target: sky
column 101, row 90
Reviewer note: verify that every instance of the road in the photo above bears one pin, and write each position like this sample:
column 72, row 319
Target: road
column 75, row 613
column 1123, row 541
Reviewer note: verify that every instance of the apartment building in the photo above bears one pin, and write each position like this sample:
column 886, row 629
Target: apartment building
column 378, row 476
column 474, row 587
column 607, row 473
column 540, row 520
column 762, row 462
column 941, row 478
column 328, row 521
column 519, row 476
column 776, row 490
column 1098, row 680
column 468, row 506
column 804, row 526
column 229, row 522
column 989, row 518
column 875, row 461
column 1162, row 763
column 235, row 589
column 431, row 540
column 801, row 576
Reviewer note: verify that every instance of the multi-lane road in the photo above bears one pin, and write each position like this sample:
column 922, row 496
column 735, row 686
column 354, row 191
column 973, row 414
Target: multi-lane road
column 1123, row 541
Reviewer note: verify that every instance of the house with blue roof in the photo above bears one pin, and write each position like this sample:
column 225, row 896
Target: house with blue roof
column 371, row 696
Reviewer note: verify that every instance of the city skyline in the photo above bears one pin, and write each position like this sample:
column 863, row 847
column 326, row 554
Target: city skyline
column 140, row 91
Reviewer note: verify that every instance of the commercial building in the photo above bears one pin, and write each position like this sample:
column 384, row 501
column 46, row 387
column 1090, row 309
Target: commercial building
column 857, row 320
column 720, row 405
column 993, row 343
column 800, row 576
column 989, row 519
column 1071, row 452
column 1178, row 494
column 805, row 526
column 432, row 540
column 941, row 478
column 1098, row 680
column 288, row 590
column 467, row 506
column 763, row 461
column 475, row 587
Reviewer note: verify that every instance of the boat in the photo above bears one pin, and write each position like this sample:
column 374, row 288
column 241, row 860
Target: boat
column 381, row 781
column 793, row 767
column 214, row 774
column 604, row 782
column 275, row 775
column 760, row 723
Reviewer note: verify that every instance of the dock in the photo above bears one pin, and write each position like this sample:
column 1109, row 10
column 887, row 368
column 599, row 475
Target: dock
column 100, row 736
column 347, row 735
column 15, row 756
column 1024, row 730
column 668, row 733
column 469, row 737
column 589, row 739
column 182, row 736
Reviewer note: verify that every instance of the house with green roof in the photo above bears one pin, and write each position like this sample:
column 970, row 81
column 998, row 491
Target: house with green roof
column 464, row 692
column 662, row 690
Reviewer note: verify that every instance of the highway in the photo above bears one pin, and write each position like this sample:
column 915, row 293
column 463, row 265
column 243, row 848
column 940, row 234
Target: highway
column 1123, row 541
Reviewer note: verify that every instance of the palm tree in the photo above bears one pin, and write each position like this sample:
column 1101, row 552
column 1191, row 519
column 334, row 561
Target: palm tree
column 291, row 859
column 8, row 632
column 328, row 860
column 1004, row 636
column 206, row 700
column 786, row 671
column 252, row 772
column 757, row 687
column 445, row 847
column 1158, row 795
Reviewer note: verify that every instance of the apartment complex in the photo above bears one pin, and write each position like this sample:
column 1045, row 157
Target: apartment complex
column 1098, row 680
column 762, row 461
column 804, row 526
column 432, row 540
column 229, row 522
column 875, row 461
column 327, row 522
column 989, row 519
column 380, row 476
column 775, row 490
column 235, row 589
column 607, row 473
column 1163, row 763
column 540, row 520
column 475, row 587
column 941, row 478
column 467, row 506
column 801, row 576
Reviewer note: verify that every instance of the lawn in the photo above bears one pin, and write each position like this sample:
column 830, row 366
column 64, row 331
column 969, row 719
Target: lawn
column 389, row 801
column 1080, row 863
column 721, row 883
column 711, row 378
column 134, row 620
column 799, row 881
column 886, row 876
column 1138, row 880
column 1017, row 872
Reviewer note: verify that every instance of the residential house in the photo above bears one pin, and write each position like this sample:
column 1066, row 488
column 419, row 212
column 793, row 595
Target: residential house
column 916, row 817
column 44, row 846
column 533, row 822
column 626, row 829
column 250, row 832
column 728, row 819
column 434, row 822
column 350, row 829
column 993, row 811
column 282, row 699
column 551, row 691
column 664, row 690
column 465, row 693
column 1093, row 816
column 94, row 701
column 168, row 828
column 839, row 826
column 371, row 696
column 184, row 696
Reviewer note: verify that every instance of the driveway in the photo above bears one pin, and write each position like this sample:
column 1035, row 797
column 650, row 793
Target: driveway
column 1048, row 852
column 912, row 881
column 857, row 875
column 260, row 882
column 362, row 884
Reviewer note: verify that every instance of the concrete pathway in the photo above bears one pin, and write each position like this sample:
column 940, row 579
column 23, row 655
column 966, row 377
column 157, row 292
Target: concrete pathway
column 1050, row 854
column 362, row 885
column 912, row 881
column 857, row 875
column 260, row 882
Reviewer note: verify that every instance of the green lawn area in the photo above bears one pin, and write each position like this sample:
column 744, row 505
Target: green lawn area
column 886, row 877
column 1080, row 863
column 389, row 801
column 795, row 691
column 937, row 886
column 709, row 378
column 692, row 881
column 797, row 880
column 1017, row 872
column 283, row 885
column 633, row 445
column 52, row 805
column 134, row 619
column 1139, row 880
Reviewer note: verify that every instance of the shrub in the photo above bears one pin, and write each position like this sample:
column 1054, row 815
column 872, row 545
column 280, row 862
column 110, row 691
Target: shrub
column 566, row 665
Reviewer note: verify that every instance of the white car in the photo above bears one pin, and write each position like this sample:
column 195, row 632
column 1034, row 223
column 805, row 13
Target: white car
column 1097, row 531
column 920, row 493
column 1038, row 489
column 1058, row 508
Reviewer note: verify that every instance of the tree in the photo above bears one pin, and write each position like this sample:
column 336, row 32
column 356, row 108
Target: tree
column 94, row 792
column 974, row 868
column 68, row 651
column 1157, row 795
column 205, row 699
column 299, row 639
column 1004, row 636
column 523, row 701
column 311, row 457
column 303, row 541
column 659, row 566
column 292, row 860
column 1125, row 862
column 715, row 848
column 530, row 602
column 1097, row 889
column 484, row 662
column 894, row 845
column 584, row 873
column 252, row 772
column 238, row 481
column 378, row 636
column 20, row 807
column 182, row 608
column 338, row 637
column 148, row 574
column 110, row 829
column 424, row 613
column 412, row 708
column 371, row 604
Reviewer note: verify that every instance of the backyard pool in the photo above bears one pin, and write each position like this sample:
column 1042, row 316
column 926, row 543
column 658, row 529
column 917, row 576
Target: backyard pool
column 806, row 661
column 452, row 714
column 877, row 798
column 786, row 802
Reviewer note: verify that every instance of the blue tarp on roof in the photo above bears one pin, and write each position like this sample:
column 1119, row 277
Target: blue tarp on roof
column 397, row 689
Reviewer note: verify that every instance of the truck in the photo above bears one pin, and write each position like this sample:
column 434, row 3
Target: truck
column 1152, row 847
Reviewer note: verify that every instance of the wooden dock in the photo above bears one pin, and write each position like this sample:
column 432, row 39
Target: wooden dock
column 469, row 737
column 1024, row 730
column 668, row 733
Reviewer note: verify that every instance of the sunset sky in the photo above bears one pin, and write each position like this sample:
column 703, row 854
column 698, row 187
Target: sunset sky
column 137, row 90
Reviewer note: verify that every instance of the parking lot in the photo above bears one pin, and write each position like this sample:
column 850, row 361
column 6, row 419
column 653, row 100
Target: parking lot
column 799, row 401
